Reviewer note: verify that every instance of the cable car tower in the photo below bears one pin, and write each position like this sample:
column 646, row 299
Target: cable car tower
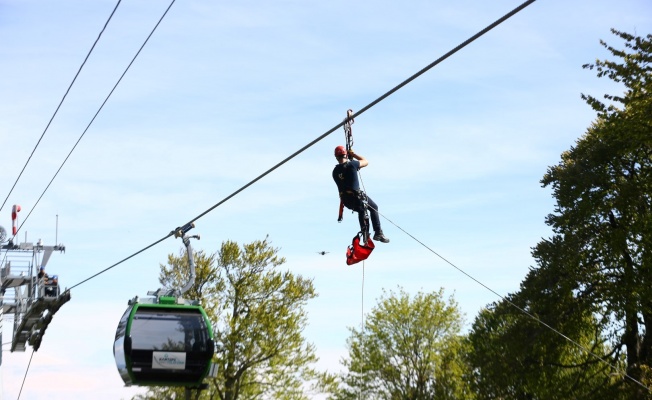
column 31, row 299
column 166, row 340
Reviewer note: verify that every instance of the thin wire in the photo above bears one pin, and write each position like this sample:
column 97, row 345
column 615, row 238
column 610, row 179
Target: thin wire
column 333, row 129
column 98, row 111
column 364, row 109
column 80, row 138
column 589, row 352
column 348, row 138
column 60, row 103
column 373, row 103
column 57, row 110
column 123, row 260
column 25, row 377
column 362, row 331
column 445, row 56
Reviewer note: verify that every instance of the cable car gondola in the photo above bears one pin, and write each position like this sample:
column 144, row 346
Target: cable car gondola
column 165, row 340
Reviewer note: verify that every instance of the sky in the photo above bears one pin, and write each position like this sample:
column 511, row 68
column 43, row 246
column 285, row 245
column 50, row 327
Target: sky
column 222, row 92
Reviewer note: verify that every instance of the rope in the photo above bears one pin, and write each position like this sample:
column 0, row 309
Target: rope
column 362, row 332
column 373, row 103
column 60, row 103
column 123, row 260
column 25, row 377
column 578, row 345
column 53, row 115
column 333, row 129
column 364, row 109
column 98, row 111
column 445, row 56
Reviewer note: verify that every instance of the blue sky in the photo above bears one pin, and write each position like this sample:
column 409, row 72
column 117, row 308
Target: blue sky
column 222, row 92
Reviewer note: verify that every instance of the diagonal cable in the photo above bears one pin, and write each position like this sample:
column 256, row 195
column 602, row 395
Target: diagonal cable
column 336, row 127
column 25, row 376
column 98, row 111
column 521, row 309
column 73, row 148
column 60, row 103
column 373, row 103
column 123, row 260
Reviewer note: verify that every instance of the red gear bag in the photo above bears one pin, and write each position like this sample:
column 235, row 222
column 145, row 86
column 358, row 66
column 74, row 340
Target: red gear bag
column 357, row 252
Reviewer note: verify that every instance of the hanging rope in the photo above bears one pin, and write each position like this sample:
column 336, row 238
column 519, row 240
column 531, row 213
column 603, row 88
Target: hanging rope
column 348, row 140
column 362, row 336
column 25, row 377
column 333, row 129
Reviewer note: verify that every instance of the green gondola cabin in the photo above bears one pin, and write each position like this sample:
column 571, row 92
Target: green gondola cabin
column 164, row 341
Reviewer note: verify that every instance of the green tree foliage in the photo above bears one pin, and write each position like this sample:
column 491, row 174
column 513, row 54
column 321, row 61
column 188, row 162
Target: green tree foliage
column 258, row 317
column 593, row 280
column 409, row 349
column 515, row 356
column 603, row 217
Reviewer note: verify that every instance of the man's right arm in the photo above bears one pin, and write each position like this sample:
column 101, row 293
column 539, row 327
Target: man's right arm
column 363, row 161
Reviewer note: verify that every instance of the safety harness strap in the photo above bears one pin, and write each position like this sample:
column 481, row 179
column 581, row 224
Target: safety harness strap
column 340, row 217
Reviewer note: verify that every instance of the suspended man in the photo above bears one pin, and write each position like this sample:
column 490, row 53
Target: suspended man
column 345, row 175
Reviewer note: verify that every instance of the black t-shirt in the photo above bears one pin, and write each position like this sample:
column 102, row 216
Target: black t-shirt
column 345, row 175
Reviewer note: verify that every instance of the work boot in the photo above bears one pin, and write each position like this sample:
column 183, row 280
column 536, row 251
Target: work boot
column 380, row 237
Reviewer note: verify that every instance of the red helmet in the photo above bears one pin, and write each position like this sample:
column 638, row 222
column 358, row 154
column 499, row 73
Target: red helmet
column 340, row 151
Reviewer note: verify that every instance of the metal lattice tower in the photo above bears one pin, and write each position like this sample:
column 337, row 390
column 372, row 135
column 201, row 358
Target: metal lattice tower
column 30, row 299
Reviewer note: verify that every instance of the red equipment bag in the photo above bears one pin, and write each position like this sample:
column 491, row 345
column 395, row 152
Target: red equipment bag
column 357, row 252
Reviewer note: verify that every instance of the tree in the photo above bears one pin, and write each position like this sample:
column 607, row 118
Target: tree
column 593, row 280
column 515, row 353
column 258, row 317
column 603, row 215
column 409, row 349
